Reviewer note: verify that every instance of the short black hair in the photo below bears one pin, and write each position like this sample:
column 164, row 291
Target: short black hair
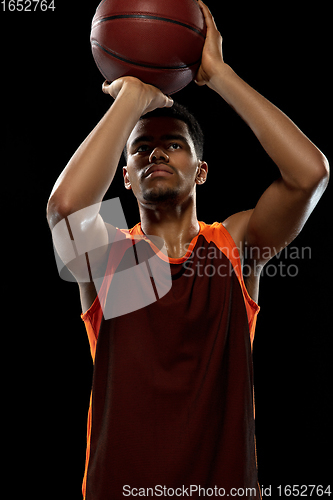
column 180, row 112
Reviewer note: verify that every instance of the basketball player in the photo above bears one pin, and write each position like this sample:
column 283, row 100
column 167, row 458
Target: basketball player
column 172, row 410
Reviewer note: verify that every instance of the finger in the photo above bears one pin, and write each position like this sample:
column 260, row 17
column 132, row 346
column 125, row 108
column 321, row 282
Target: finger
column 207, row 14
column 105, row 87
column 199, row 79
column 169, row 102
column 200, row 83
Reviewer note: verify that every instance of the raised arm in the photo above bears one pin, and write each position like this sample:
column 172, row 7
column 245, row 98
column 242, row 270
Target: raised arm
column 285, row 206
column 83, row 183
column 90, row 171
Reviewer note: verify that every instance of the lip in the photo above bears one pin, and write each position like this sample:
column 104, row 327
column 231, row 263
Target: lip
column 158, row 170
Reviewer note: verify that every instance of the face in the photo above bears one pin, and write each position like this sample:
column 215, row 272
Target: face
column 162, row 165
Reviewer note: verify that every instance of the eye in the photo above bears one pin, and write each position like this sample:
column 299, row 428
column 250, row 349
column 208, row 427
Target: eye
column 143, row 148
column 174, row 146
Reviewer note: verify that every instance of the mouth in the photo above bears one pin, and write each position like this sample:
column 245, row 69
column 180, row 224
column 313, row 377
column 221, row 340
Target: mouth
column 160, row 170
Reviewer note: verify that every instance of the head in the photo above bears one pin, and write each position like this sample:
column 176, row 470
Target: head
column 164, row 156
column 179, row 112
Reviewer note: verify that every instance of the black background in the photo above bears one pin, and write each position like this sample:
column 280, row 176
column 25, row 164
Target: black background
column 51, row 99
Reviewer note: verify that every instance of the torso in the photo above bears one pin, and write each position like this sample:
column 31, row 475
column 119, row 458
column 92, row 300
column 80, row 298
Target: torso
column 236, row 226
column 166, row 358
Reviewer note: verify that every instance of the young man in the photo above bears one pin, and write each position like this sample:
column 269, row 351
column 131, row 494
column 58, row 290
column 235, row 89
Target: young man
column 172, row 408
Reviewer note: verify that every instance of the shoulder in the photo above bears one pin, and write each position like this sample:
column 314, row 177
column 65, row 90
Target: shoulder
column 236, row 225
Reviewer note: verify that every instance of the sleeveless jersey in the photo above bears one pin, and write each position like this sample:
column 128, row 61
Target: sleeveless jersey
column 172, row 401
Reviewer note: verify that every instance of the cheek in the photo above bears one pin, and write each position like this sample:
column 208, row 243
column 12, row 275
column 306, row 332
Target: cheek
column 189, row 172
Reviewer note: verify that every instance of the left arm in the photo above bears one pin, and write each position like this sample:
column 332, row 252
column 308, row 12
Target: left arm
column 285, row 206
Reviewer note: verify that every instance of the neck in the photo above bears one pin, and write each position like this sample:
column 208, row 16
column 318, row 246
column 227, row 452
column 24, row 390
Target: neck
column 176, row 224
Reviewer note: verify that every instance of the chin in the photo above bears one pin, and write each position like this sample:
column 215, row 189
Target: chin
column 159, row 195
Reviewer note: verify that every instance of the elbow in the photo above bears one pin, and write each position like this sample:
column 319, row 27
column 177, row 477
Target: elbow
column 325, row 169
column 60, row 207
column 56, row 210
column 317, row 177
column 321, row 174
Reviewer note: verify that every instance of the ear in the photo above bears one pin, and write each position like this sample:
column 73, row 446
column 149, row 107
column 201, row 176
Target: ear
column 202, row 172
column 126, row 179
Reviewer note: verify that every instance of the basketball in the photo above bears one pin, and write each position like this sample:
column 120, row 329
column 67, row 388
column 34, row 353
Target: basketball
column 158, row 41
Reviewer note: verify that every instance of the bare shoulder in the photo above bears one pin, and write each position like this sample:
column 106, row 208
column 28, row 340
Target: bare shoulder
column 236, row 225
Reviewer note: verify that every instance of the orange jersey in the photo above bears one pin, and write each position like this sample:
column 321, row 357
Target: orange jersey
column 172, row 396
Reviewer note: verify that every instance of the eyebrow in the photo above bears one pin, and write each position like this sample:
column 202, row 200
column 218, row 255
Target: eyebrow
column 166, row 137
column 142, row 138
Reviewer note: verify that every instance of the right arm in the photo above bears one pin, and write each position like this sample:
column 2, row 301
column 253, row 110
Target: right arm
column 89, row 173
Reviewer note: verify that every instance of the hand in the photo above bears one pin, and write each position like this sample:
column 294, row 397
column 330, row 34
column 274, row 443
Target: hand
column 150, row 96
column 212, row 56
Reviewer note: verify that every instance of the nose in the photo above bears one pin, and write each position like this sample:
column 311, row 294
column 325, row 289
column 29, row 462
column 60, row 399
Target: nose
column 158, row 154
